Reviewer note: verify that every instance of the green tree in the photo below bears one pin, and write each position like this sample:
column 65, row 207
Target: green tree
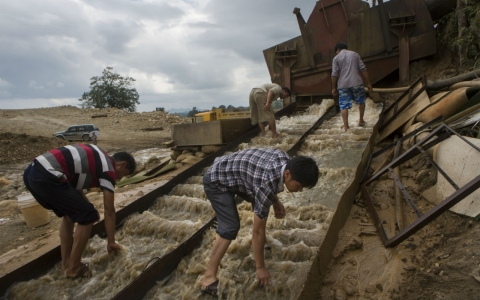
column 111, row 90
column 193, row 112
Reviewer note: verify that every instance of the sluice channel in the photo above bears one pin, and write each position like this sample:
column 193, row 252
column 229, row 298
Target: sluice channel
column 173, row 219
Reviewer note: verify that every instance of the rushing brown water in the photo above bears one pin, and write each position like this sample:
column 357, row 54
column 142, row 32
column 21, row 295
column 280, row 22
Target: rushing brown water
column 291, row 245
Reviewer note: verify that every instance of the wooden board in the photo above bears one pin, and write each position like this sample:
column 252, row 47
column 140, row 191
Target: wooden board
column 409, row 112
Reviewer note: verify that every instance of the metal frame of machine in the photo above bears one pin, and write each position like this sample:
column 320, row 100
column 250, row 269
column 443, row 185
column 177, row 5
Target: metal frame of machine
column 438, row 134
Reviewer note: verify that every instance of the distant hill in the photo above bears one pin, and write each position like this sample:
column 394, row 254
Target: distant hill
column 182, row 111
column 179, row 110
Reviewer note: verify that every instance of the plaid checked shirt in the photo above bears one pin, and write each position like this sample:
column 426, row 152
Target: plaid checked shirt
column 255, row 172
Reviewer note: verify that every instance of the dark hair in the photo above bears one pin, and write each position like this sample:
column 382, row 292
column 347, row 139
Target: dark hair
column 126, row 157
column 340, row 45
column 304, row 170
column 286, row 89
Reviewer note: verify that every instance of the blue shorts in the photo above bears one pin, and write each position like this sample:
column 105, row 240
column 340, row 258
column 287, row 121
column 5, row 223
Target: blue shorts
column 356, row 93
column 58, row 195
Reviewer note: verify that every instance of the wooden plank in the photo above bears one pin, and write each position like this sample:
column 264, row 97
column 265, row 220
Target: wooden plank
column 409, row 112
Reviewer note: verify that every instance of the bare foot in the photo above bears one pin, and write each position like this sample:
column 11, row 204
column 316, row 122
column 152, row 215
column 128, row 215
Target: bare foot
column 346, row 128
column 362, row 123
column 278, row 135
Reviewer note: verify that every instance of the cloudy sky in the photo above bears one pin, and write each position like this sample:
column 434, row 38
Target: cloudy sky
column 182, row 53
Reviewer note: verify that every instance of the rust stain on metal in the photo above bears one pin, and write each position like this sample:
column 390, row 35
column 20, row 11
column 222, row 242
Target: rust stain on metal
column 367, row 31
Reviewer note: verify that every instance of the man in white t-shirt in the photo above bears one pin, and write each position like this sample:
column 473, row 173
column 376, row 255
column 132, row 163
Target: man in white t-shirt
column 260, row 102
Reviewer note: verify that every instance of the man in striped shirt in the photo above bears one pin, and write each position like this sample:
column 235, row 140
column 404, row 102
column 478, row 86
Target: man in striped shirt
column 256, row 175
column 57, row 179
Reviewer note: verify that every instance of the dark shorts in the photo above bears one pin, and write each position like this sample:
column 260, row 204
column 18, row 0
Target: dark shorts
column 225, row 208
column 356, row 93
column 58, row 195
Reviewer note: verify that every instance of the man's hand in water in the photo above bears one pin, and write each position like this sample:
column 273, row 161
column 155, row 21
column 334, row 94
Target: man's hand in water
column 279, row 209
column 113, row 247
column 263, row 276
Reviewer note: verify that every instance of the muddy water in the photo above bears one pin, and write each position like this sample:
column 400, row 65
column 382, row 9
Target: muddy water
column 169, row 222
column 291, row 243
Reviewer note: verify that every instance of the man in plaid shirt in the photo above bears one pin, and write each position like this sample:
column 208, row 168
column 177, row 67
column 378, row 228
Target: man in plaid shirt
column 256, row 175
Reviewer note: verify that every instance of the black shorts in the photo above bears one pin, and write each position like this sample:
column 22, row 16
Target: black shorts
column 225, row 208
column 58, row 195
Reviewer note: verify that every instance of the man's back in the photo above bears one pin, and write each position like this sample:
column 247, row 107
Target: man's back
column 83, row 165
column 346, row 66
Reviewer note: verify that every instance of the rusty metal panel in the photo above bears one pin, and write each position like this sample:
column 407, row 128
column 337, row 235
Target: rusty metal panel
column 361, row 26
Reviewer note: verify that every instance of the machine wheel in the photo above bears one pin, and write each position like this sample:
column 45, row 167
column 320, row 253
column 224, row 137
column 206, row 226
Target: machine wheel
column 85, row 137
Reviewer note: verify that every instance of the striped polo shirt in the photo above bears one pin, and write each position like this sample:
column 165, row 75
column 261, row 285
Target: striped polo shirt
column 84, row 166
column 256, row 172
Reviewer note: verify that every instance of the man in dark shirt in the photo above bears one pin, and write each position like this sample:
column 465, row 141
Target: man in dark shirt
column 57, row 178
column 257, row 175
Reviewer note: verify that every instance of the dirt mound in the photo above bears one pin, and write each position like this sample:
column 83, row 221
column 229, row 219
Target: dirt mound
column 16, row 148
column 119, row 130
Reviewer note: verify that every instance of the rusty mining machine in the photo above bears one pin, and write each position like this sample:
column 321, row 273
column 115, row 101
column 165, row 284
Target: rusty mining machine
column 387, row 36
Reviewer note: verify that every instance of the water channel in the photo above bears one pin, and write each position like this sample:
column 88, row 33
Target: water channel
column 292, row 242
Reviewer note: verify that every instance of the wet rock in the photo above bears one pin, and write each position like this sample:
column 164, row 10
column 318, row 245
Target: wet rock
column 183, row 157
column 337, row 253
column 152, row 162
column 412, row 246
column 175, row 154
column 200, row 154
column 210, row 149
column 169, row 144
column 11, row 194
column 340, row 294
column 425, row 179
column 139, row 168
column 331, row 278
column 191, row 160
column 350, row 289
column 4, row 181
column 355, row 243
column 370, row 289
